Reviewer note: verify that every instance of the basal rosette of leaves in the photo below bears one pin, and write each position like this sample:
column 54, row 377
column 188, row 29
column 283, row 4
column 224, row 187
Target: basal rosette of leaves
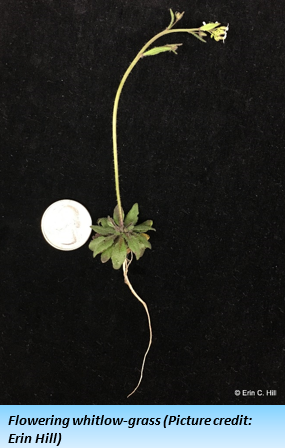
column 115, row 240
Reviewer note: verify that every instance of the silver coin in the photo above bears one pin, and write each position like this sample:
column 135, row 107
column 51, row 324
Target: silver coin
column 66, row 224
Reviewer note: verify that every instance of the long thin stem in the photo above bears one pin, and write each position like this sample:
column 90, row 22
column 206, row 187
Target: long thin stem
column 116, row 104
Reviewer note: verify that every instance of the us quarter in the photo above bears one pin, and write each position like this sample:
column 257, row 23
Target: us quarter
column 66, row 224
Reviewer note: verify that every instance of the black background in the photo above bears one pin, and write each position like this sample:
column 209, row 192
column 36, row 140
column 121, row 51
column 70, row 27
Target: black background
column 201, row 149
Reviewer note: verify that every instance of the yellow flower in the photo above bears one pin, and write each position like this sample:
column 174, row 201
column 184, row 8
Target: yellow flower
column 216, row 31
column 220, row 33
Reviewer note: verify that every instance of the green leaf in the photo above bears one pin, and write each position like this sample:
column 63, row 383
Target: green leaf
column 149, row 222
column 111, row 222
column 157, row 50
column 103, row 230
column 101, row 243
column 116, row 215
column 198, row 37
column 129, row 228
column 140, row 253
column 137, row 244
column 133, row 243
column 106, row 255
column 132, row 216
column 95, row 242
column 142, row 239
column 144, row 226
column 172, row 17
column 142, row 229
column 119, row 253
column 103, row 222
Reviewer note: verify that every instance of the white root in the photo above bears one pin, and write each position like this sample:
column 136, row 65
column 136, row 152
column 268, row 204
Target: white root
column 126, row 265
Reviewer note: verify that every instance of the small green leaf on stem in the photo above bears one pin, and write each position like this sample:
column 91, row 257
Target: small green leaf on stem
column 198, row 35
column 157, row 50
column 172, row 17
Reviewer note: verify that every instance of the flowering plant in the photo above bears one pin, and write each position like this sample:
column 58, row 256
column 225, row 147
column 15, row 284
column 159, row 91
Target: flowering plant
column 117, row 238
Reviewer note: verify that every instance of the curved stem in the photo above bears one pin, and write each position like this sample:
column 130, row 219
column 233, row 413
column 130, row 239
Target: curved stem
column 116, row 104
